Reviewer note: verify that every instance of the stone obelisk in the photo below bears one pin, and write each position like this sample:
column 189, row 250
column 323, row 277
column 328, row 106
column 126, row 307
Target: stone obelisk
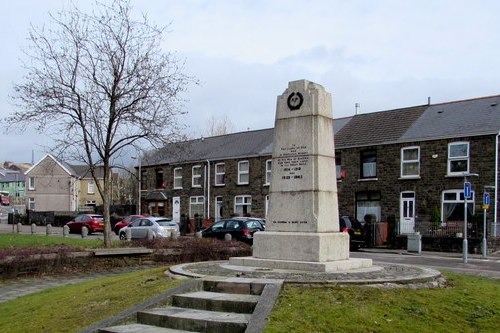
column 302, row 228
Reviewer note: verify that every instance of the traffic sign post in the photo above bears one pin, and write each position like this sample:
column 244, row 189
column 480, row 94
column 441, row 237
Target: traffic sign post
column 467, row 195
column 486, row 205
column 467, row 190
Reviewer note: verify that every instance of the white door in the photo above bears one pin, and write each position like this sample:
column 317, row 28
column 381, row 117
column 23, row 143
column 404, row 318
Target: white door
column 407, row 217
column 218, row 208
column 176, row 209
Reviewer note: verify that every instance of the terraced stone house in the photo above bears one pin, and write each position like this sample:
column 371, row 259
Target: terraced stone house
column 404, row 167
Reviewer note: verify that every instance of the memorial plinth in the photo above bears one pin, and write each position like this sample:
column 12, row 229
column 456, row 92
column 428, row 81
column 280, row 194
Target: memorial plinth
column 302, row 228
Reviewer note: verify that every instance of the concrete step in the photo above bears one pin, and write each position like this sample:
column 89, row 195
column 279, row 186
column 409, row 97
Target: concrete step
column 234, row 287
column 214, row 301
column 195, row 320
column 139, row 328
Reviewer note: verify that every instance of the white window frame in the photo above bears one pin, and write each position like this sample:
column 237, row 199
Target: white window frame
column 199, row 201
column 90, row 188
column 242, row 173
column 31, row 203
column 31, row 183
column 177, row 178
column 242, row 200
column 452, row 159
column 410, row 161
column 220, row 176
column 338, row 166
column 269, row 172
column 458, row 200
column 196, row 176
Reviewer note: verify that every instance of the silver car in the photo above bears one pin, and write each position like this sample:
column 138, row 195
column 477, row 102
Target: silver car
column 156, row 227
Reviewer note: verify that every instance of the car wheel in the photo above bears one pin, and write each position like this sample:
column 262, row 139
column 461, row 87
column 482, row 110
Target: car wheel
column 123, row 236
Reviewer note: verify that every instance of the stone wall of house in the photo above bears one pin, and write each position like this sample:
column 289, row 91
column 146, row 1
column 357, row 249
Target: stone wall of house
column 428, row 187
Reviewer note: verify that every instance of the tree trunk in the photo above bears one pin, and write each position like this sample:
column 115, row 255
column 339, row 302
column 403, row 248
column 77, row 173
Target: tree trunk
column 106, row 204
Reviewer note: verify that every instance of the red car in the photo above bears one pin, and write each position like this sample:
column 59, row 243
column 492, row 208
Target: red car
column 93, row 222
column 126, row 221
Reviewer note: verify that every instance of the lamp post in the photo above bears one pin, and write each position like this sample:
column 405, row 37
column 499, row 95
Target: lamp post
column 467, row 194
column 138, row 158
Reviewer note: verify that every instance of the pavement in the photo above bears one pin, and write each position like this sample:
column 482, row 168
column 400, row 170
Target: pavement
column 15, row 288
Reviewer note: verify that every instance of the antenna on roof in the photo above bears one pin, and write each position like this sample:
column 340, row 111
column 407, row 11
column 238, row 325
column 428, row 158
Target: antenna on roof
column 356, row 108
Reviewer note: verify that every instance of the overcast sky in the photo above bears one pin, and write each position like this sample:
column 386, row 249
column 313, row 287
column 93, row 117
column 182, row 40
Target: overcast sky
column 380, row 54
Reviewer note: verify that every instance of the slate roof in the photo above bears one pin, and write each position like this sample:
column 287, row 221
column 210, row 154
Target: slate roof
column 378, row 127
column 480, row 116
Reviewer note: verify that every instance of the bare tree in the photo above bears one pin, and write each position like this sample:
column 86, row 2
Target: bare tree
column 97, row 83
column 219, row 126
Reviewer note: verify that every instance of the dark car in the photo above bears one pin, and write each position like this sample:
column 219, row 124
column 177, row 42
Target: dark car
column 126, row 221
column 239, row 229
column 93, row 222
column 356, row 232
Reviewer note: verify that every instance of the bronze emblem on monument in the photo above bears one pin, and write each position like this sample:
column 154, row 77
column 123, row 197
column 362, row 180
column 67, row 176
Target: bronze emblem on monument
column 295, row 101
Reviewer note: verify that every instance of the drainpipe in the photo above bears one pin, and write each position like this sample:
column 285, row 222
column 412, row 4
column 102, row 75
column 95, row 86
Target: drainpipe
column 495, row 218
column 207, row 182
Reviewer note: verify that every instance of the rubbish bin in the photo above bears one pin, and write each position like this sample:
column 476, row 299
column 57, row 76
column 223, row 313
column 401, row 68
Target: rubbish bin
column 414, row 243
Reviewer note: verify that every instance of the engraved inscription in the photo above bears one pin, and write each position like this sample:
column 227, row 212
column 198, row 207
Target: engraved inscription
column 292, row 161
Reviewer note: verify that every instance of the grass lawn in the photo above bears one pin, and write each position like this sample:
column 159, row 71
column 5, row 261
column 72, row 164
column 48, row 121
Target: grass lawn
column 468, row 304
column 25, row 240
column 73, row 307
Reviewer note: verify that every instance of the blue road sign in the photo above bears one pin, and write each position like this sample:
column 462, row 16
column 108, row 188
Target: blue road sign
column 467, row 190
column 486, row 199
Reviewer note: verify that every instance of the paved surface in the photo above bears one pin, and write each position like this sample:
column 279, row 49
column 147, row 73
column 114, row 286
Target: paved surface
column 12, row 289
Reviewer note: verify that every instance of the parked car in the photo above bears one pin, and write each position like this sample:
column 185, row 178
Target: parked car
column 357, row 237
column 126, row 221
column 241, row 229
column 159, row 226
column 262, row 221
column 93, row 222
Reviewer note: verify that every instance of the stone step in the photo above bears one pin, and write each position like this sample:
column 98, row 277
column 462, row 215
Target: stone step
column 140, row 328
column 234, row 287
column 214, row 301
column 195, row 320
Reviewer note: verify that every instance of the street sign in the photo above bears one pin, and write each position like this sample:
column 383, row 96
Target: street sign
column 467, row 190
column 486, row 200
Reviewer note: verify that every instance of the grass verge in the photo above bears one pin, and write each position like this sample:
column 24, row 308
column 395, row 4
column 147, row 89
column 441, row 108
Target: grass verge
column 73, row 307
column 467, row 304
column 25, row 240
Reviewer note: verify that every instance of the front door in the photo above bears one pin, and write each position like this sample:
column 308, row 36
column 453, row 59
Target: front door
column 218, row 208
column 407, row 217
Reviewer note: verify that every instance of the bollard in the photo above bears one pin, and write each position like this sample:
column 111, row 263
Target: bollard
column 228, row 237
column 33, row 228
column 198, row 234
column 65, row 231
column 128, row 234
column 19, row 227
column 48, row 229
column 85, row 231
column 151, row 235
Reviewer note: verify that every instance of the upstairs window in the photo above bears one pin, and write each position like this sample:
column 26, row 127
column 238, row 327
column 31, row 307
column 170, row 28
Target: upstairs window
column 196, row 176
column 243, row 173
column 159, row 179
column 220, row 174
column 269, row 164
column 338, row 165
column 31, row 183
column 177, row 178
column 90, row 188
column 458, row 158
column 369, row 163
column 410, row 162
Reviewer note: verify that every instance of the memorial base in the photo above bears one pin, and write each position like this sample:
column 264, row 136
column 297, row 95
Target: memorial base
column 318, row 252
